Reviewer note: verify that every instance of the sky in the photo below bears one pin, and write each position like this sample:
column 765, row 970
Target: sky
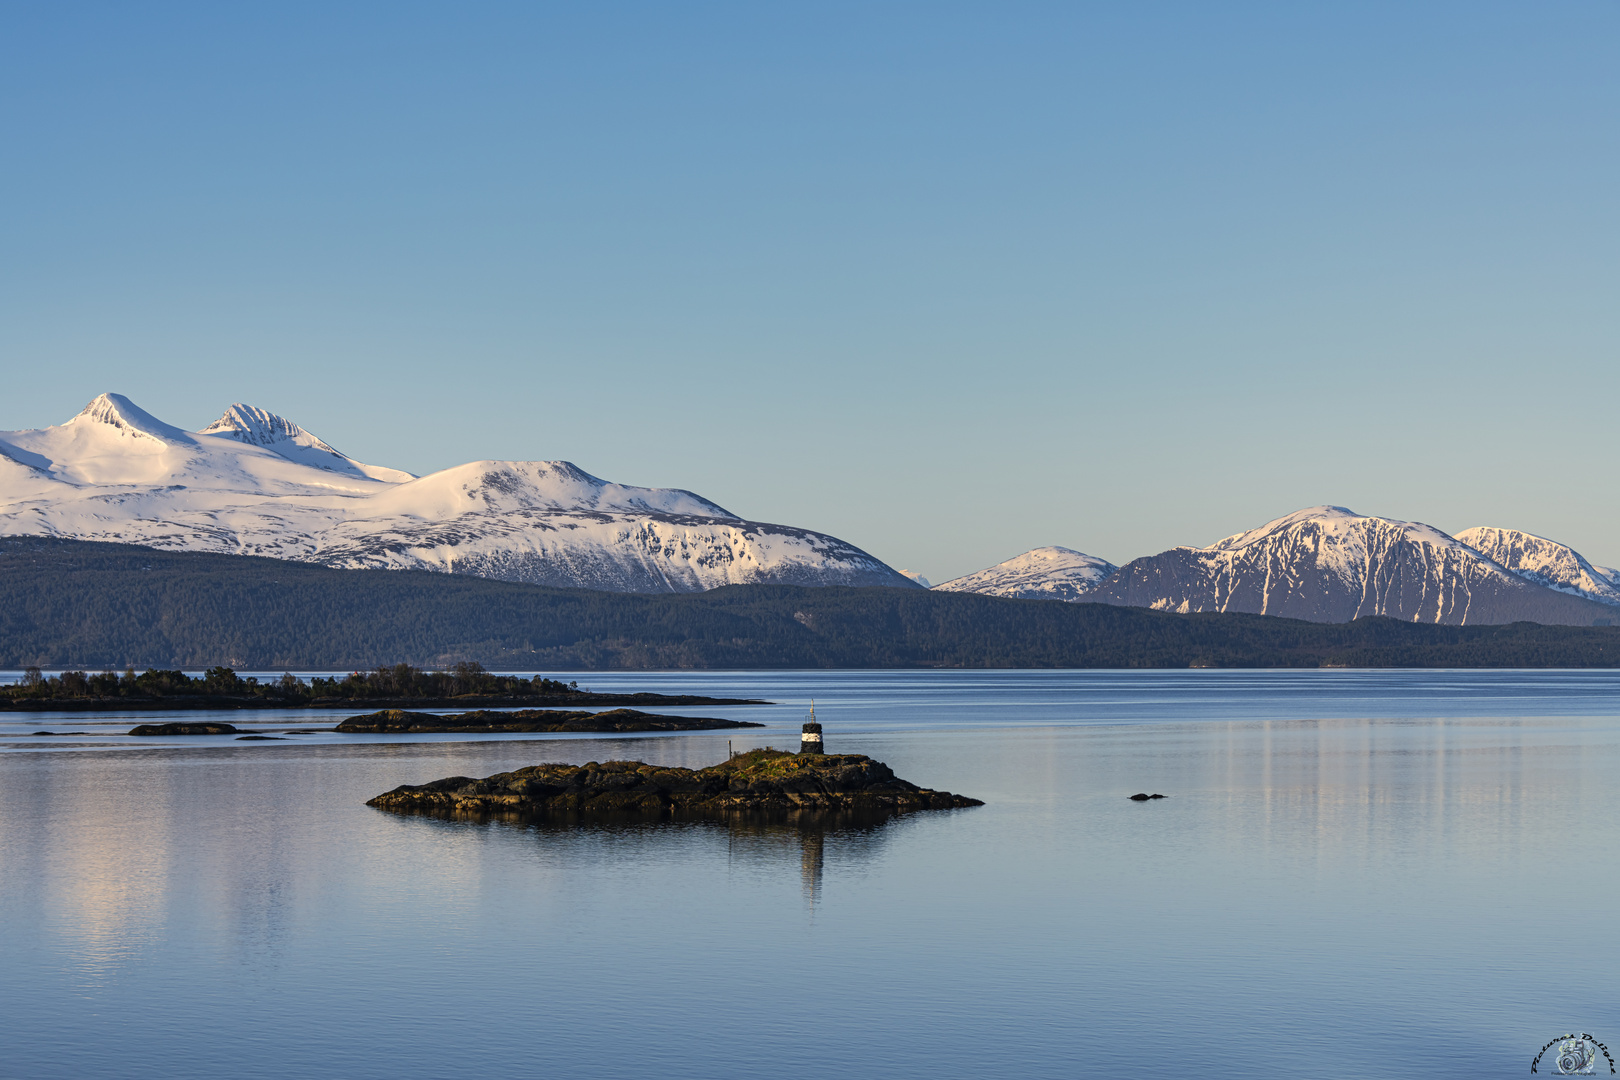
column 949, row 281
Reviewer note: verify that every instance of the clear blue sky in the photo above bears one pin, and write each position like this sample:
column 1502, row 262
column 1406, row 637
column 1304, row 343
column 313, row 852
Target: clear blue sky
column 949, row 281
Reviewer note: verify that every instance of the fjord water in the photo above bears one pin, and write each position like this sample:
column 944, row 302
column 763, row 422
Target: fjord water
column 1356, row 874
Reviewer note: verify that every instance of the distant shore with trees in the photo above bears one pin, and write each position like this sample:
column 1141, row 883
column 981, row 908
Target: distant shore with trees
column 465, row 683
column 116, row 608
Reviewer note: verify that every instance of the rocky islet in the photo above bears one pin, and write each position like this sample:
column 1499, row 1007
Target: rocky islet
column 760, row 780
column 186, row 728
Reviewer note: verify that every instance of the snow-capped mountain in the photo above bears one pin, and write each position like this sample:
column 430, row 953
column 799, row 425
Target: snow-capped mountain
column 254, row 483
column 246, row 424
column 1046, row 573
column 1328, row 564
column 1546, row 562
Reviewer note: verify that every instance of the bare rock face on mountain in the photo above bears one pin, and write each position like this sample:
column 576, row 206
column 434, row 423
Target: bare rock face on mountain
column 254, row 483
column 1046, row 573
column 1327, row 564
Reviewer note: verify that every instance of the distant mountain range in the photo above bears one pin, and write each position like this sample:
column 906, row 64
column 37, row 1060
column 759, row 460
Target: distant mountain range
column 1328, row 564
column 253, row 483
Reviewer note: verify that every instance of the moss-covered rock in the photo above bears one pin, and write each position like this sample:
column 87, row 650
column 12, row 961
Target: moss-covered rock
column 761, row 780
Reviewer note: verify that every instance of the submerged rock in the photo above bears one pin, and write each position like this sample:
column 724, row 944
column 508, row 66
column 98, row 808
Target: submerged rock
column 760, row 780
column 395, row 721
column 184, row 729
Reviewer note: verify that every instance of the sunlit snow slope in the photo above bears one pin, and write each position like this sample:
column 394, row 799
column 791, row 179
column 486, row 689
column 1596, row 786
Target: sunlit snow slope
column 254, row 483
column 1327, row 564
column 1545, row 562
column 1046, row 573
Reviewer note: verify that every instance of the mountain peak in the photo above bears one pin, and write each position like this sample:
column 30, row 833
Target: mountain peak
column 118, row 412
column 260, row 427
column 1043, row 573
column 1332, row 521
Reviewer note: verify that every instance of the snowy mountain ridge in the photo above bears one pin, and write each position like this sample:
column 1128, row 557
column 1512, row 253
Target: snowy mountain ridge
column 1546, row 562
column 256, row 483
column 1334, row 521
column 1330, row 564
column 1324, row 564
column 1045, row 573
column 259, row 427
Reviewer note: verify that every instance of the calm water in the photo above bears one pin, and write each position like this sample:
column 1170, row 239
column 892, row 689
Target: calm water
column 1357, row 875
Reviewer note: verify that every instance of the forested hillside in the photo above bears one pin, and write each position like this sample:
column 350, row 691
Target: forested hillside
column 93, row 606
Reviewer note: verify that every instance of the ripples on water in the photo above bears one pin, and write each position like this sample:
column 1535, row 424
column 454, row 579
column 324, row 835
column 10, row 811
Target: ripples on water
column 1356, row 875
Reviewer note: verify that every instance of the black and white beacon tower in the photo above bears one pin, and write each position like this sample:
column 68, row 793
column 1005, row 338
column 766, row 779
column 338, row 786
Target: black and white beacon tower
column 810, row 741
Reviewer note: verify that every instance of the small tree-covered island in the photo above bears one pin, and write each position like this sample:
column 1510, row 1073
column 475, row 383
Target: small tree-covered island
column 484, row 721
column 767, row 780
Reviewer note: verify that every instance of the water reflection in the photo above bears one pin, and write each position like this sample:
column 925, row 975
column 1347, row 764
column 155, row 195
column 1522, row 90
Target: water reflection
column 106, row 870
column 850, row 840
column 756, row 842
column 812, row 861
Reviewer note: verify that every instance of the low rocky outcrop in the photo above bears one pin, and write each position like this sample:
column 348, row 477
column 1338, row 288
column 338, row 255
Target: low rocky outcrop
column 184, row 729
column 760, row 780
column 398, row 721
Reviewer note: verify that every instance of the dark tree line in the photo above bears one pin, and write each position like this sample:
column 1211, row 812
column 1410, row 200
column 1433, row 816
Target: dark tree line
column 399, row 681
column 74, row 604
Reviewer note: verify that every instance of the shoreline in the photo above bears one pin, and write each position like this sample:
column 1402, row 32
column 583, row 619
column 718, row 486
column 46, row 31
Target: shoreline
column 463, row 703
